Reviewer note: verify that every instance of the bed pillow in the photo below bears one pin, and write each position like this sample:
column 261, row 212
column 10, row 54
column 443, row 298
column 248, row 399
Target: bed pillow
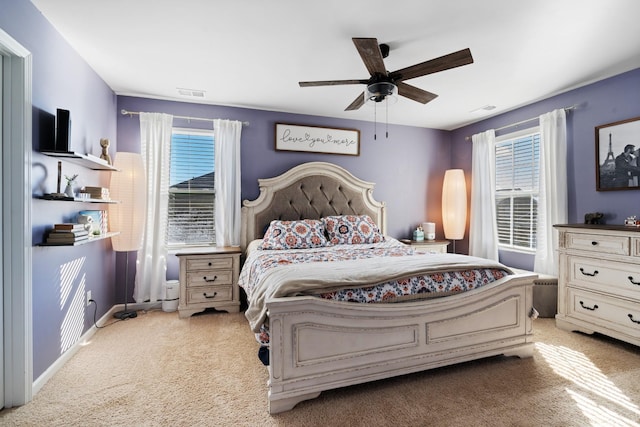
column 352, row 229
column 301, row 234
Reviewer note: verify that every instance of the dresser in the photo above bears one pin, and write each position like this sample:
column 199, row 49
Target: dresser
column 209, row 279
column 599, row 280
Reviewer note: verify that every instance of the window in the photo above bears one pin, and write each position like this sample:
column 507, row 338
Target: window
column 191, row 219
column 517, row 168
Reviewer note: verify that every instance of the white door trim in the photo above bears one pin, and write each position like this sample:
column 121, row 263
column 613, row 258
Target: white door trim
column 16, row 214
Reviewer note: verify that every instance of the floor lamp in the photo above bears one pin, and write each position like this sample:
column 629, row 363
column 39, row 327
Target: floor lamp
column 127, row 215
column 454, row 205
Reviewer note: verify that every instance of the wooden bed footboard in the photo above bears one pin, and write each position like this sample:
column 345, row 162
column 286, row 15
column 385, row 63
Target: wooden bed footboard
column 318, row 345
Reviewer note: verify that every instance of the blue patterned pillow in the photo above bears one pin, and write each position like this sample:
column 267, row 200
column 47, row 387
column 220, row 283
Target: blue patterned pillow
column 302, row 234
column 352, row 229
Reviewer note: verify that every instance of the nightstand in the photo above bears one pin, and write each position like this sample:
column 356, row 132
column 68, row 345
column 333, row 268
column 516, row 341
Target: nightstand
column 430, row 246
column 209, row 279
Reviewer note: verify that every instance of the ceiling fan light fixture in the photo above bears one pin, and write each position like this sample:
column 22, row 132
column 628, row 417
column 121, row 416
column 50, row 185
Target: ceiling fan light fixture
column 380, row 91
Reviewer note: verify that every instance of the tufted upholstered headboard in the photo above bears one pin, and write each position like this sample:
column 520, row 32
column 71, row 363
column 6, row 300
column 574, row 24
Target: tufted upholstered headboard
column 309, row 191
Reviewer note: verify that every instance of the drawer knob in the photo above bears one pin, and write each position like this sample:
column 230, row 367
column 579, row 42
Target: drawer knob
column 588, row 274
column 594, row 243
column 210, row 280
column 209, row 264
column 210, row 296
column 588, row 308
column 631, row 280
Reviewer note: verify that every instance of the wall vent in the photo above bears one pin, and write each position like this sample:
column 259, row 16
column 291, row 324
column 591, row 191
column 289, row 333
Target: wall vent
column 197, row 93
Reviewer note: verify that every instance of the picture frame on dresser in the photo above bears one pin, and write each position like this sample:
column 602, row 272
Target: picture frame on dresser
column 618, row 155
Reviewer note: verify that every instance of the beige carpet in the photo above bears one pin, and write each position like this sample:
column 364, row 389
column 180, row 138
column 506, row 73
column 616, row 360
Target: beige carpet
column 159, row 370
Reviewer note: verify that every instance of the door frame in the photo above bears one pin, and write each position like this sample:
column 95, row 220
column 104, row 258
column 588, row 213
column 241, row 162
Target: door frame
column 16, row 156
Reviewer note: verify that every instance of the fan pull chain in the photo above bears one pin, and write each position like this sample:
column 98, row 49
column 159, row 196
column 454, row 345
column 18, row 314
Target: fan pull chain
column 386, row 105
column 375, row 121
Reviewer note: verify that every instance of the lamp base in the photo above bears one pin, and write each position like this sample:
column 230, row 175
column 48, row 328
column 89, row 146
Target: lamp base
column 122, row 315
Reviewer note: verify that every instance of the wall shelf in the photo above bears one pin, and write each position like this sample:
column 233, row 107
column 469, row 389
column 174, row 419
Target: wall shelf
column 82, row 242
column 76, row 199
column 86, row 160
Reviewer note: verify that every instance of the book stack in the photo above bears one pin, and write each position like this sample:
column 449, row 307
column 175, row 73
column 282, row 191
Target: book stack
column 99, row 223
column 97, row 192
column 67, row 234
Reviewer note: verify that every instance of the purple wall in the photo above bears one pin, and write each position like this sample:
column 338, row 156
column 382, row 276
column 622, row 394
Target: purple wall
column 407, row 167
column 607, row 101
column 61, row 275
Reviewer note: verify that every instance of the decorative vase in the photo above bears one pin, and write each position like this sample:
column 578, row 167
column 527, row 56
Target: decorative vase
column 69, row 191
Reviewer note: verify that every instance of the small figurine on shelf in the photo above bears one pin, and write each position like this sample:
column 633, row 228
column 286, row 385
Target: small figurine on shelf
column 69, row 189
column 631, row 221
column 104, row 143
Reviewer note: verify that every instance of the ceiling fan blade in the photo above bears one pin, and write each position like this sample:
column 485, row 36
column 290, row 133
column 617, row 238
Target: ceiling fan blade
column 371, row 55
column 446, row 62
column 332, row 83
column 357, row 103
column 415, row 93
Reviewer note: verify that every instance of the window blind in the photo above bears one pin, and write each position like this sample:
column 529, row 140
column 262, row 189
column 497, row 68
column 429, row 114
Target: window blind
column 191, row 218
column 517, row 170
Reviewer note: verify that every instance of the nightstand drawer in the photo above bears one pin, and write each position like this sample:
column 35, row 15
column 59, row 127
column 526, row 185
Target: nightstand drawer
column 209, row 294
column 209, row 263
column 209, row 278
column 603, row 244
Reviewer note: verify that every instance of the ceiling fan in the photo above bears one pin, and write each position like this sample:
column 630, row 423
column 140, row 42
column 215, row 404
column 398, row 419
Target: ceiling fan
column 382, row 83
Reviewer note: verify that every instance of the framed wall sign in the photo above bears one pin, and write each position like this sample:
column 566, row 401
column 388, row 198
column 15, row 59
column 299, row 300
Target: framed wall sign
column 316, row 139
column 618, row 155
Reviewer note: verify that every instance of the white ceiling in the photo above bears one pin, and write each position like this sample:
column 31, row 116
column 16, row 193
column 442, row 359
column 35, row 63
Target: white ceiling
column 253, row 53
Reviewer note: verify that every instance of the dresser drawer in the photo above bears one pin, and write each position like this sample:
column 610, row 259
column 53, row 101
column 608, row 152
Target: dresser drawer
column 621, row 315
column 209, row 294
column 602, row 244
column 209, row 278
column 605, row 276
column 209, row 263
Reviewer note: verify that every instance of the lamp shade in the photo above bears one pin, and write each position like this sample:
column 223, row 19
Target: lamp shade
column 454, row 204
column 128, row 216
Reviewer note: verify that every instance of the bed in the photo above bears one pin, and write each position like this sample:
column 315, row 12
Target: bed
column 318, row 343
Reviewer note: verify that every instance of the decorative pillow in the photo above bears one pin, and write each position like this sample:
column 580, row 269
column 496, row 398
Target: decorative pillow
column 302, row 234
column 352, row 229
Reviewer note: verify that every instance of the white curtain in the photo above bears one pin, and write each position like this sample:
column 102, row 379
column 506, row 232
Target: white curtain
column 155, row 147
column 483, row 231
column 227, row 181
column 552, row 199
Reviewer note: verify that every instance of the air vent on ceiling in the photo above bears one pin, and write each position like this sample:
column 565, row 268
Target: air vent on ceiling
column 191, row 92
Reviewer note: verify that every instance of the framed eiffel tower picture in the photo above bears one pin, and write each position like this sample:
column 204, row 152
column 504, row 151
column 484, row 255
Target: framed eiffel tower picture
column 618, row 155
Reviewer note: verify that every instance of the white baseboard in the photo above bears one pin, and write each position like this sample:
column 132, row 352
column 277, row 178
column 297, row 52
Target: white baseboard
column 84, row 339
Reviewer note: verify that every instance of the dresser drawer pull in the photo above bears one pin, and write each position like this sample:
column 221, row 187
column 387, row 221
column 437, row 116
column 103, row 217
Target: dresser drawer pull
column 588, row 274
column 210, row 280
column 594, row 243
column 210, row 296
column 588, row 308
column 634, row 321
column 631, row 280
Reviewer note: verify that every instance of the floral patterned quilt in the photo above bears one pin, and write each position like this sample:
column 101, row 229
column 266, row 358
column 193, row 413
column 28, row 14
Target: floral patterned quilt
column 431, row 284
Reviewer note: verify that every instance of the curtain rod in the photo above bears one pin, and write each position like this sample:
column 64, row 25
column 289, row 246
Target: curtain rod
column 137, row 113
column 572, row 107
